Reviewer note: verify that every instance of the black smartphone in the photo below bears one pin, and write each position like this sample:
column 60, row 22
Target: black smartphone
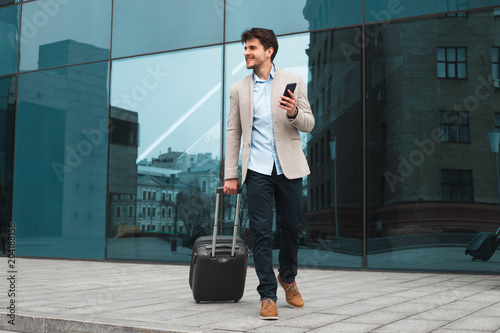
column 290, row 86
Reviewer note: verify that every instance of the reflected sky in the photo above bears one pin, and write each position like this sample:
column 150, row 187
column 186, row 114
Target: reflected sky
column 47, row 22
column 178, row 97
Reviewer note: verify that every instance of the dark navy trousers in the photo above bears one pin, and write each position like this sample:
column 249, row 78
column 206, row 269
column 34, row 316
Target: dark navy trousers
column 263, row 193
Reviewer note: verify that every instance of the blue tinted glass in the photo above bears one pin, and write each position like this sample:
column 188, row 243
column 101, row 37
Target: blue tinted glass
column 285, row 16
column 427, row 195
column 383, row 10
column 154, row 26
column 333, row 190
column 9, row 45
column 164, row 153
column 8, row 2
column 61, row 162
column 59, row 33
column 7, row 123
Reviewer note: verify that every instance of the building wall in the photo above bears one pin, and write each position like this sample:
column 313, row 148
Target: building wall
column 141, row 94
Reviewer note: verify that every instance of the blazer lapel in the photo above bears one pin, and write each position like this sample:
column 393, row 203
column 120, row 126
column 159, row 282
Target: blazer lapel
column 249, row 112
column 276, row 93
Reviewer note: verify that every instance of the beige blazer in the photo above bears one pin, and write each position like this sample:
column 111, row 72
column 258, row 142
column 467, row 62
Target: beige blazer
column 288, row 145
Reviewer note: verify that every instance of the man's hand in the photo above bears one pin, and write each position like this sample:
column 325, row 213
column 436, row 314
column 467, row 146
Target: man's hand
column 289, row 104
column 231, row 186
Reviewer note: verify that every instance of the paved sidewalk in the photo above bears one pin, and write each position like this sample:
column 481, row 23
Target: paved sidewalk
column 86, row 296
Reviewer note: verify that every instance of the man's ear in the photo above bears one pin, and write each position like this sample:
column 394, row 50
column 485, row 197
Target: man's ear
column 270, row 51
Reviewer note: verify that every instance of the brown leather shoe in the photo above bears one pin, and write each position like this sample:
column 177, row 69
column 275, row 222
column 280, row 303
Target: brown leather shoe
column 293, row 297
column 268, row 310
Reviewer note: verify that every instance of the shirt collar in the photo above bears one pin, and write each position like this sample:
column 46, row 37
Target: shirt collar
column 257, row 79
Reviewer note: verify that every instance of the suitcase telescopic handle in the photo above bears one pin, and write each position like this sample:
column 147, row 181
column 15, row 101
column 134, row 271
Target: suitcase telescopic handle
column 220, row 191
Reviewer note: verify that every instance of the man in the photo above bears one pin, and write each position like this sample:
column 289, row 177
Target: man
column 273, row 162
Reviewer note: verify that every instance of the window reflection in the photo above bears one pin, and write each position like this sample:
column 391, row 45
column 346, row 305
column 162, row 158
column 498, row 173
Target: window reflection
column 384, row 10
column 155, row 26
column 8, row 2
column 432, row 182
column 7, row 122
column 52, row 34
column 334, row 218
column 301, row 15
column 164, row 153
column 60, row 199
column 9, row 45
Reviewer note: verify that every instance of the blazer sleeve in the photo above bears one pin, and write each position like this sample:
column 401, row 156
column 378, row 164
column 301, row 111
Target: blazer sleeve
column 304, row 121
column 233, row 136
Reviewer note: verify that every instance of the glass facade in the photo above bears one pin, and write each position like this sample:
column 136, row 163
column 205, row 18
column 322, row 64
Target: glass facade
column 112, row 127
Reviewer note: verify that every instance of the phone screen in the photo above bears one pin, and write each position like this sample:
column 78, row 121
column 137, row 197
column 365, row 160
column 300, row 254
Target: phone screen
column 290, row 86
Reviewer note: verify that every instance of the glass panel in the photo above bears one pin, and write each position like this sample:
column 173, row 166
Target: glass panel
column 464, row 134
column 155, row 26
column 7, row 124
column 461, row 71
column 441, row 69
column 451, row 54
column 8, row 2
column 164, row 174
column 332, row 234
column 383, row 10
column 441, row 54
column 9, row 45
column 453, row 133
column 464, row 117
column 52, row 33
column 59, row 201
column 461, row 55
column 420, row 219
column 301, row 15
column 451, row 70
column 456, row 193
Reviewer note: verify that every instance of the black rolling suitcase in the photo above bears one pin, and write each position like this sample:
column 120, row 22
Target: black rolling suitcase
column 219, row 263
column 483, row 245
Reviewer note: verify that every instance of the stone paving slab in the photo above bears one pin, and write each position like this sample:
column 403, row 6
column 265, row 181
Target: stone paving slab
column 59, row 296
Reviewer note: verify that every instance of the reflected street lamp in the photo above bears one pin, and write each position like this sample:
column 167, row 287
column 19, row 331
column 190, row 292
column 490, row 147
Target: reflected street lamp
column 333, row 154
column 494, row 138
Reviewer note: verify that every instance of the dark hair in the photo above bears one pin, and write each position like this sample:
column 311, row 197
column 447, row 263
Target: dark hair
column 265, row 36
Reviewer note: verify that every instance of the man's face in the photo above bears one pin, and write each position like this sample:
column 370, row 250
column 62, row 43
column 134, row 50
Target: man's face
column 255, row 55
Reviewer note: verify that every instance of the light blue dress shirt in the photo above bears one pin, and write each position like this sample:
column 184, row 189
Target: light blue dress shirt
column 263, row 150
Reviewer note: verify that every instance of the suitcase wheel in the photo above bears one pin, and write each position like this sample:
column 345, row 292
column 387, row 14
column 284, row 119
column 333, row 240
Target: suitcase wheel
column 236, row 300
column 197, row 301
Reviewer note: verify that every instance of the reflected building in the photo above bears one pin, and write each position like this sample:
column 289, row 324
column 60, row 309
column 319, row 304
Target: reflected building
column 172, row 196
column 430, row 102
column 74, row 146
column 7, row 126
column 335, row 185
column 405, row 97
